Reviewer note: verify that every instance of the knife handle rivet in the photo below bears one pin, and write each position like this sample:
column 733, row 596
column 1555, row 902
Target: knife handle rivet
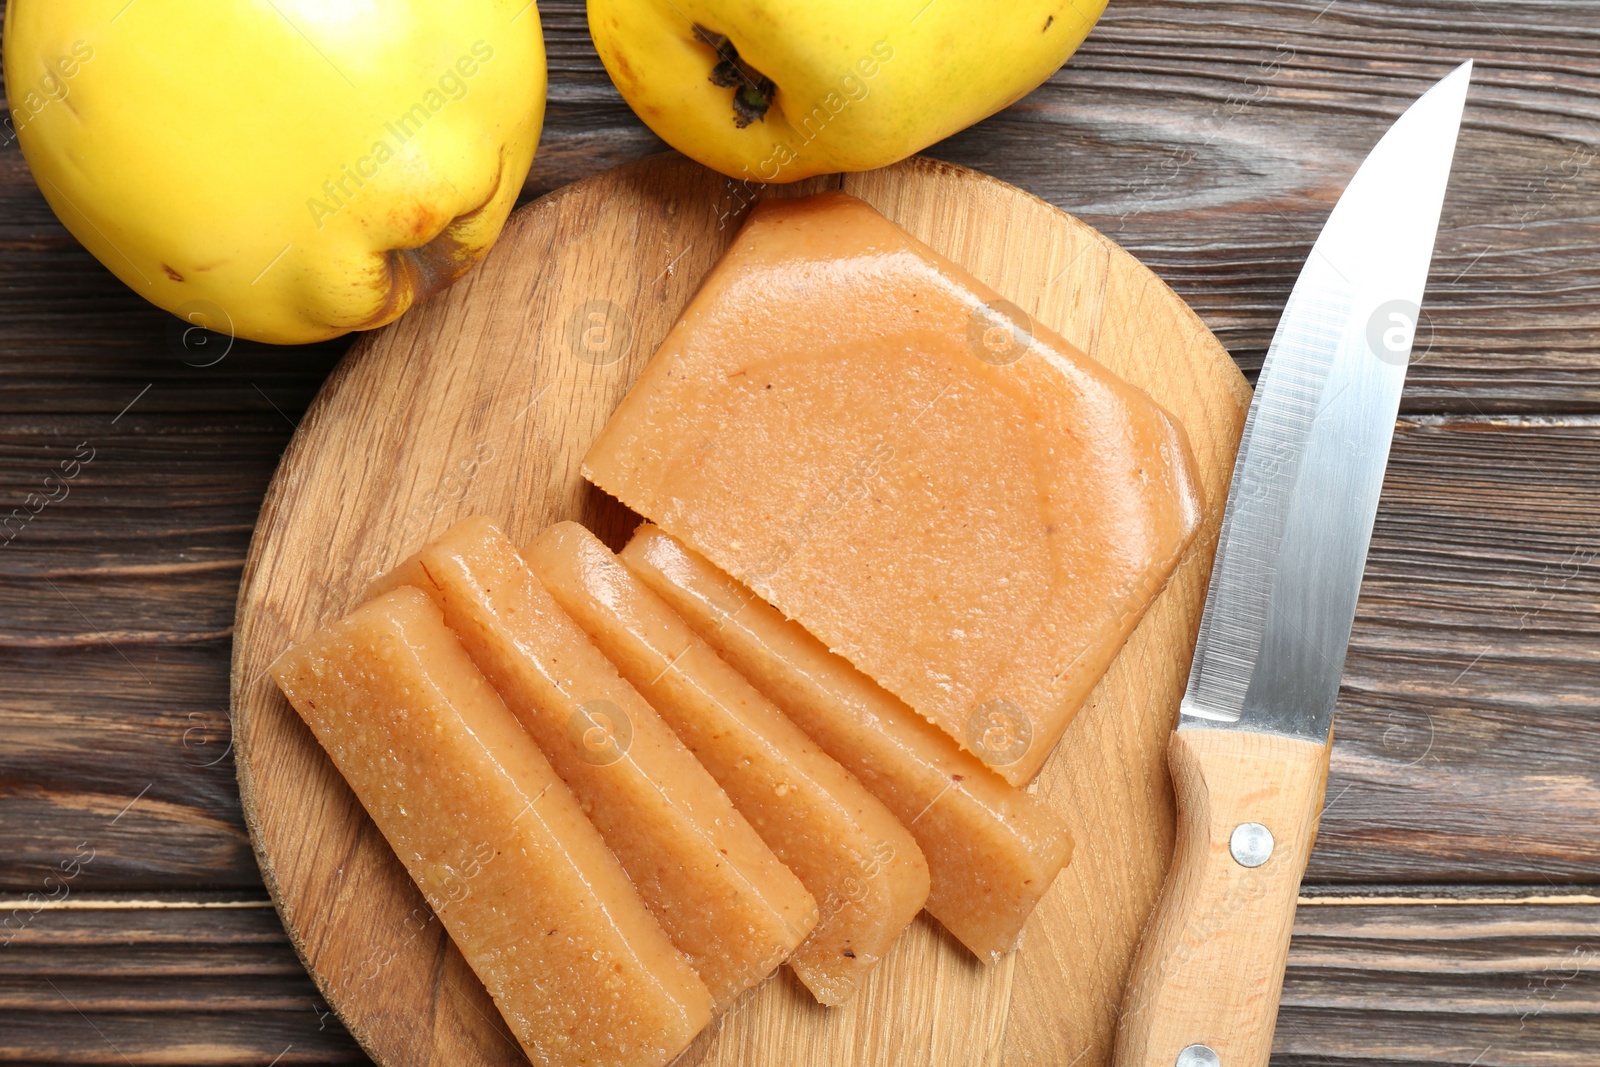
column 1198, row 1056
column 1251, row 845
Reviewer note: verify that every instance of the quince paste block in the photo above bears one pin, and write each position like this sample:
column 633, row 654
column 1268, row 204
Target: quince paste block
column 864, row 868
column 537, row 904
column 714, row 886
column 992, row 850
column 973, row 513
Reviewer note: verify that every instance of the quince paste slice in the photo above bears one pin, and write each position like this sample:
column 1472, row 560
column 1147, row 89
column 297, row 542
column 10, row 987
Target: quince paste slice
column 711, row 882
column 959, row 502
column 992, row 850
column 538, row 906
column 865, row 870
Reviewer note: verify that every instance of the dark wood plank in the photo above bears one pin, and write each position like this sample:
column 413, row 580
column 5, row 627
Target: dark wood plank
column 1489, row 985
column 161, row 985
column 187, row 946
column 1211, row 140
column 1511, row 984
column 1466, row 729
column 135, row 772
column 161, row 500
column 116, row 609
column 1469, row 720
column 1465, row 737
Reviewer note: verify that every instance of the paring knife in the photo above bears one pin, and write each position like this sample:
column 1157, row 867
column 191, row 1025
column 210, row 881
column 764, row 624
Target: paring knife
column 1249, row 759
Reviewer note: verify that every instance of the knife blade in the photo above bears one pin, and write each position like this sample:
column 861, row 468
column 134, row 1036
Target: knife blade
column 1249, row 758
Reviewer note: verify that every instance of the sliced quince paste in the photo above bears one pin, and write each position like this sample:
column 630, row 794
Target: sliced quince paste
column 516, row 873
column 865, row 870
column 711, row 882
column 992, row 850
column 957, row 501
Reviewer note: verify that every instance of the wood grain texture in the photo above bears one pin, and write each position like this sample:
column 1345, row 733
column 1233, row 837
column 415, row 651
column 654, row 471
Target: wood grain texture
column 1466, row 720
column 492, row 394
column 1500, row 985
column 105, row 982
column 1210, row 139
column 1211, row 960
column 1398, row 985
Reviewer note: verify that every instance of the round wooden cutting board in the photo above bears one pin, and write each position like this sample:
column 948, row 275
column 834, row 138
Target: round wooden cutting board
column 485, row 399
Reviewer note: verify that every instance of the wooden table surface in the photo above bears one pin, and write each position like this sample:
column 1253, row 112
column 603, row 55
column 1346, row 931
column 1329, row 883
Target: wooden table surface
column 1452, row 907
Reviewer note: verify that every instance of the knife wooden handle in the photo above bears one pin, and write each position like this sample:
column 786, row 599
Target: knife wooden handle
column 1210, row 967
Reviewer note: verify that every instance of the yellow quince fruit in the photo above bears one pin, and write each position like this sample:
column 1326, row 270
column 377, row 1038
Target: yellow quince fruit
column 778, row 90
column 281, row 170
